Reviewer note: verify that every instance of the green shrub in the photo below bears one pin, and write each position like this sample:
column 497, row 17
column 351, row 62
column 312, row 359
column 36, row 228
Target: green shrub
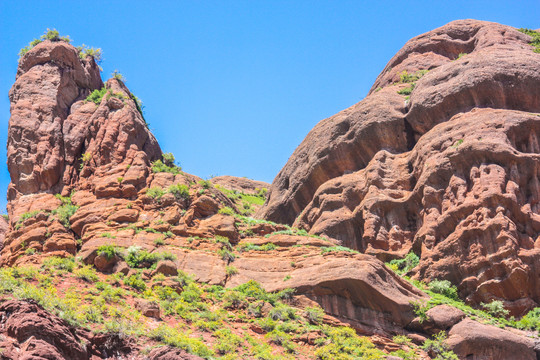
column 314, row 314
column 155, row 193
column 180, row 191
column 135, row 282
column 231, row 270
column 205, row 184
column 234, row 299
column 403, row 266
column 282, row 312
column 407, row 90
column 438, row 346
column 531, row 321
column 343, row 343
column 495, row 308
column 86, row 273
column 85, row 51
column 227, row 342
column 138, row 258
column 328, row 249
column 226, row 211
column 420, row 309
column 267, row 324
column 97, row 95
column 67, row 264
column 167, row 165
column 116, row 74
column 226, row 254
column 51, row 35
column 250, row 246
column 405, row 77
column 535, row 41
column 109, row 251
column 444, row 287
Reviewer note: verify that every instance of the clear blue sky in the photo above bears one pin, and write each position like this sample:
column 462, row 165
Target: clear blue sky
column 232, row 87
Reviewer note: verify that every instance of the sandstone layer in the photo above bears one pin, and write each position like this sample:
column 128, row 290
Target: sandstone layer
column 450, row 173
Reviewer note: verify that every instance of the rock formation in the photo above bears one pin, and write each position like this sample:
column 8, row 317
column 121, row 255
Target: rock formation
column 450, row 173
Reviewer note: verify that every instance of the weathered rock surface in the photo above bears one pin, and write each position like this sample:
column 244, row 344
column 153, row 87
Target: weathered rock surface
column 450, row 173
column 240, row 184
column 30, row 332
column 472, row 340
column 357, row 289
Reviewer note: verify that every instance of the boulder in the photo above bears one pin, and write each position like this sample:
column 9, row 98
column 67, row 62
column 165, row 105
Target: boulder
column 472, row 340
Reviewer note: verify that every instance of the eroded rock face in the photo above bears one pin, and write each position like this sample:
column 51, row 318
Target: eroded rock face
column 59, row 143
column 450, row 173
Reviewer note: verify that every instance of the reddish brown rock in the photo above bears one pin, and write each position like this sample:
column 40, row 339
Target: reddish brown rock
column 167, row 268
column 148, row 308
column 170, row 353
column 472, row 340
column 356, row 289
column 439, row 318
column 449, row 173
column 240, row 184
column 48, row 336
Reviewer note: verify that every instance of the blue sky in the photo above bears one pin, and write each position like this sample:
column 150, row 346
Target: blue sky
column 232, row 87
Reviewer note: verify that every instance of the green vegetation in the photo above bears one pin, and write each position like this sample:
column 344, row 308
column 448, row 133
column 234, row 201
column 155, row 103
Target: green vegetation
column 314, row 314
column 104, row 304
column 138, row 258
column 167, row 164
column 110, row 251
column 180, row 191
column 97, row 95
column 343, row 343
column 86, row 273
column 25, row 216
column 531, row 321
column 85, row 51
column 135, row 281
column 50, row 34
column 403, row 266
column 495, row 308
column 460, row 55
column 444, row 287
column 85, row 158
column 231, row 270
column 140, row 108
column 115, row 74
column 245, row 202
column 155, row 193
column 65, row 211
column 535, row 41
column 329, row 249
column 407, row 90
column 438, row 346
column 406, row 78
column 250, row 246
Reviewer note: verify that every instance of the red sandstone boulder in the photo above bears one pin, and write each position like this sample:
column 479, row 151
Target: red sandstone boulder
column 472, row 340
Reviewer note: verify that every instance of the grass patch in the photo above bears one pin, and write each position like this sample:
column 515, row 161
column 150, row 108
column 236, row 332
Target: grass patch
column 535, row 41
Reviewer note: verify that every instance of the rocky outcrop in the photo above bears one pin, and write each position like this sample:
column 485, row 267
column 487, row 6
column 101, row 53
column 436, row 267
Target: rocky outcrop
column 30, row 332
column 449, row 173
column 472, row 340
column 240, row 184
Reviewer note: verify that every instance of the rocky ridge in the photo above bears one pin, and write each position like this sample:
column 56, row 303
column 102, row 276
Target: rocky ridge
column 448, row 172
column 107, row 196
